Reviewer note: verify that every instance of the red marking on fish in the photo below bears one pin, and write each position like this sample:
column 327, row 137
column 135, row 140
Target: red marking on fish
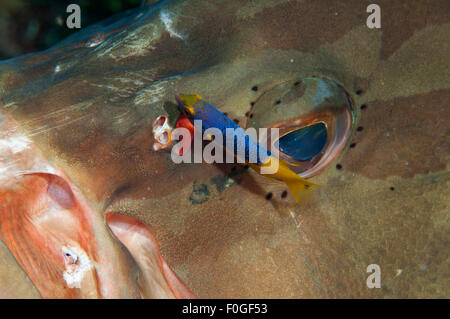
column 184, row 122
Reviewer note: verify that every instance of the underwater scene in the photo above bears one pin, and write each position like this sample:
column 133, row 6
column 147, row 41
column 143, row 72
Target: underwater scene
column 265, row 149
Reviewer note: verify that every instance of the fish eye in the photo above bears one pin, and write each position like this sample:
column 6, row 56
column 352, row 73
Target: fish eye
column 304, row 143
column 314, row 116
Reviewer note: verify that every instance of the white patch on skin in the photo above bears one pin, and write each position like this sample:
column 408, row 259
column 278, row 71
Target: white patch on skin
column 168, row 23
column 139, row 41
column 77, row 264
column 156, row 91
column 14, row 143
column 126, row 80
column 18, row 156
column 132, row 44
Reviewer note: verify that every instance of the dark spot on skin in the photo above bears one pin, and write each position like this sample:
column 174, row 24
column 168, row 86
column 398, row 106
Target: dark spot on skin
column 277, row 102
column 362, row 85
column 360, row 128
column 338, row 166
column 392, row 188
column 284, row 194
column 269, row 196
column 352, row 145
column 255, row 88
column 362, row 107
column 200, row 194
column 236, row 121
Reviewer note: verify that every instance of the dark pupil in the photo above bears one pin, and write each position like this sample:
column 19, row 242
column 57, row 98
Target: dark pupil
column 304, row 143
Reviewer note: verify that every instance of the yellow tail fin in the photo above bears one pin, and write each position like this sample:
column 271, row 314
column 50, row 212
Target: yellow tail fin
column 300, row 188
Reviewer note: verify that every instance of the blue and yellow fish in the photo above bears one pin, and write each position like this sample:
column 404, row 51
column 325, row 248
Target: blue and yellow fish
column 195, row 108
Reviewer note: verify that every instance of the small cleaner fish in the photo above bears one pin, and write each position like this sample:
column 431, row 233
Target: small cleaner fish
column 195, row 108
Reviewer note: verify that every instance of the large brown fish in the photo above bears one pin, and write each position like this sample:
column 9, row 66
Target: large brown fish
column 88, row 105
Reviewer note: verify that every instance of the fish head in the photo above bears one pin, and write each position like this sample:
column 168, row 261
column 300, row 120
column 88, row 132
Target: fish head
column 187, row 104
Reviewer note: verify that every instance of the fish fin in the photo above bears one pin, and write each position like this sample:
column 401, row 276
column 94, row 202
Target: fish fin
column 300, row 188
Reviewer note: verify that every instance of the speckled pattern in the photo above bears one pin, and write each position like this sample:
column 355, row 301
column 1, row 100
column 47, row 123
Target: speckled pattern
column 387, row 204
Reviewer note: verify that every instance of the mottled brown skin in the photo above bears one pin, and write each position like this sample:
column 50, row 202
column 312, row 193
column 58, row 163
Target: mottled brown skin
column 234, row 236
